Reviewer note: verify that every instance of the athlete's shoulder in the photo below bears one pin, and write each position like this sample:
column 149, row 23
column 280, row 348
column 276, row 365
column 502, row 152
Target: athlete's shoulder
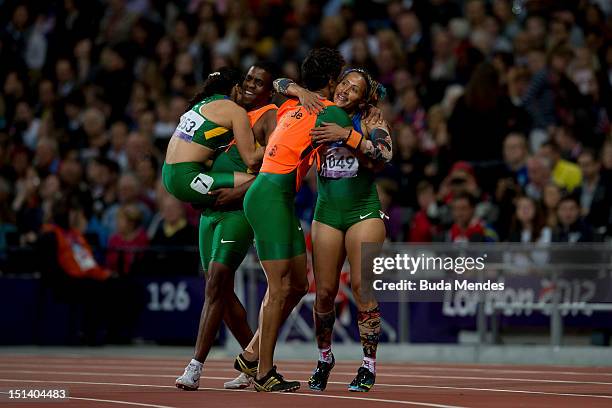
column 334, row 114
column 288, row 105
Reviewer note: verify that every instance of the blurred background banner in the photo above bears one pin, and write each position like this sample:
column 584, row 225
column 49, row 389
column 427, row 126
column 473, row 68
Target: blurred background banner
column 542, row 303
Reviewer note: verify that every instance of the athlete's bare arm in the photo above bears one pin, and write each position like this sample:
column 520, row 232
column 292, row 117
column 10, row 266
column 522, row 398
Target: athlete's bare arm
column 311, row 101
column 264, row 126
column 227, row 197
column 269, row 124
column 376, row 146
column 379, row 145
column 243, row 134
column 228, row 114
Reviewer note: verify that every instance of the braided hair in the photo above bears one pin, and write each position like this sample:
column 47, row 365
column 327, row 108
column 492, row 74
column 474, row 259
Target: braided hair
column 219, row 82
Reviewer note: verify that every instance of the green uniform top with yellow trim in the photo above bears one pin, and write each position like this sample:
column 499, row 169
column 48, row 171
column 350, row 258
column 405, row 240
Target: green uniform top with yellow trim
column 190, row 182
column 194, row 127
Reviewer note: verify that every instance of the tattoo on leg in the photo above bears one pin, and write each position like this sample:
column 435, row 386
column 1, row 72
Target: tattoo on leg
column 324, row 326
column 369, row 331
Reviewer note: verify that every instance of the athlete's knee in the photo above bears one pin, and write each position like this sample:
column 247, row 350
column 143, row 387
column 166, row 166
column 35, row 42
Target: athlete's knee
column 362, row 300
column 326, row 295
column 280, row 292
column 217, row 284
column 298, row 290
column 298, row 285
column 357, row 292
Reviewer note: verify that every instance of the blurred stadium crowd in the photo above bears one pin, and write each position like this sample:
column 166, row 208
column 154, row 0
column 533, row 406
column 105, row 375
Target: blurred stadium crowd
column 500, row 112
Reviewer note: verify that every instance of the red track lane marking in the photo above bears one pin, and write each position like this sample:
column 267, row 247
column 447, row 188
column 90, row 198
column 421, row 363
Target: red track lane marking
column 447, row 377
column 101, row 361
column 422, row 404
column 505, row 371
column 140, row 404
column 499, row 390
column 223, row 363
column 442, row 387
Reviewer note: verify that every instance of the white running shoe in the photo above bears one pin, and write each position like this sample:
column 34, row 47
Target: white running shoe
column 239, row 383
column 190, row 380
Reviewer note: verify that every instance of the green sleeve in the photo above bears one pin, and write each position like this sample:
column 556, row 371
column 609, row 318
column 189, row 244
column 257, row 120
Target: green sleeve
column 334, row 114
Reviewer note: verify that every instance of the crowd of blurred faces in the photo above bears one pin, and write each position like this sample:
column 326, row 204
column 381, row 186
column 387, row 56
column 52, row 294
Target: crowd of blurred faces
column 500, row 113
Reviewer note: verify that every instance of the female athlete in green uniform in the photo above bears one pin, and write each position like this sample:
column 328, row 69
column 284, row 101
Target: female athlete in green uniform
column 211, row 122
column 347, row 214
column 226, row 236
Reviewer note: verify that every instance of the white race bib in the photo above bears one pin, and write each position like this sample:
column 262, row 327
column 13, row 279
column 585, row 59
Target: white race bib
column 202, row 183
column 189, row 123
column 339, row 162
column 82, row 257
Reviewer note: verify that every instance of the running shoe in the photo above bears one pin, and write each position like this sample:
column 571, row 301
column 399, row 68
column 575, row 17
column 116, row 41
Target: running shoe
column 239, row 383
column 190, row 380
column 318, row 380
column 274, row 382
column 363, row 382
column 244, row 366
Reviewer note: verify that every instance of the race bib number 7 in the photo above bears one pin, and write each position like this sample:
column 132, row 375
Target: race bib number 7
column 339, row 162
column 189, row 123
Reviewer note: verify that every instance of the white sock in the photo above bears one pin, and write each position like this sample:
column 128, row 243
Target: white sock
column 325, row 355
column 370, row 364
column 196, row 363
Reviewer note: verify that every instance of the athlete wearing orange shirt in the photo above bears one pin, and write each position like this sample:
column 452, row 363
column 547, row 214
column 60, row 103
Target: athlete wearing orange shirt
column 278, row 238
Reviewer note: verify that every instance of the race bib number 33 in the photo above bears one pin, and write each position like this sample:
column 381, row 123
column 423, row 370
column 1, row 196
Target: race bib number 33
column 339, row 162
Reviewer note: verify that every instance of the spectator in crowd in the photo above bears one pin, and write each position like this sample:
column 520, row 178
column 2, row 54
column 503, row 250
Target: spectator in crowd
column 176, row 234
column 515, row 153
column 129, row 193
column 409, row 164
column 569, row 146
column 595, row 192
column 551, row 197
column 126, row 245
column 118, row 138
column 94, row 127
column 606, row 158
column 466, row 226
column 482, row 117
column 422, row 228
column 46, row 157
column 26, row 124
column 70, row 270
column 565, row 174
column 528, row 223
column 571, row 227
column 147, row 174
column 539, row 175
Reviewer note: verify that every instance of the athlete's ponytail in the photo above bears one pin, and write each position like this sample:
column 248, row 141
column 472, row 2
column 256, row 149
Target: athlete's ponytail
column 220, row 82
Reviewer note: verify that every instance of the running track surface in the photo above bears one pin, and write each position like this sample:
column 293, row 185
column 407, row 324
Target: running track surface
column 149, row 382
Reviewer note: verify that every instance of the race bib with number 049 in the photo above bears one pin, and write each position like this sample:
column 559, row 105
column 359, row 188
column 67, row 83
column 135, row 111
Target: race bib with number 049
column 189, row 123
column 339, row 162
